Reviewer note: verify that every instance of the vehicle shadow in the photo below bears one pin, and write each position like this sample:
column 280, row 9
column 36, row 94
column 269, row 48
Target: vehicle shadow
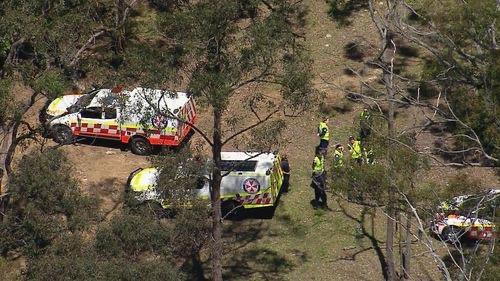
column 116, row 144
column 255, row 213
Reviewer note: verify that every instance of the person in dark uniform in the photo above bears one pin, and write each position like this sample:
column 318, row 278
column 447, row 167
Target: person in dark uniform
column 285, row 167
column 318, row 179
column 365, row 124
column 324, row 133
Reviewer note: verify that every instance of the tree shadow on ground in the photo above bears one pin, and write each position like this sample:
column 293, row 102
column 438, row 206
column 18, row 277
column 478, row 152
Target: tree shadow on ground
column 109, row 194
column 246, row 259
column 354, row 51
column 341, row 11
column 363, row 232
column 265, row 263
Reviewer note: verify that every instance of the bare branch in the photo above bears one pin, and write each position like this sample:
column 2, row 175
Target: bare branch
column 250, row 127
column 85, row 46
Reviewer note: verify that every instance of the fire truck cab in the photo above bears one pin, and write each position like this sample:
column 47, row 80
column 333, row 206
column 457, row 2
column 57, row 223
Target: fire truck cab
column 142, row 118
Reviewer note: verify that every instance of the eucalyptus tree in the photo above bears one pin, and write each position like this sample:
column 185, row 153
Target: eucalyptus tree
column 239, row 53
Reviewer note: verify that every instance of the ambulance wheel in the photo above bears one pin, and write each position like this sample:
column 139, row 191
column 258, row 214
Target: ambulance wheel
column 231, row 207
column 140, row 146
column 62, row 134
column 451, row 234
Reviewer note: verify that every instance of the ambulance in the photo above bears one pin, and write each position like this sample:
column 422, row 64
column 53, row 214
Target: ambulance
column 142, row 118
column 252, row 180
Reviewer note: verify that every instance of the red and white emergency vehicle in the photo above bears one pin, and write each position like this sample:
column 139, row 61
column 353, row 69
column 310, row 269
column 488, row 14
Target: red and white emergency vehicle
column 458, row 218
column 142, row 118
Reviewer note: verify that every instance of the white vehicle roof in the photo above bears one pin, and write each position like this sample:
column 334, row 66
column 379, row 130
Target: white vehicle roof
column 137, row 97
column 264, row 160
column 169, row 99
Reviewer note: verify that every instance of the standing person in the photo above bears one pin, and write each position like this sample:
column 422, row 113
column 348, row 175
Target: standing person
column 338, row 156
column 365, row 124
column 355, row 150
column 285, row 167
column 324, row 133
column 369, row 157
column 318, row 179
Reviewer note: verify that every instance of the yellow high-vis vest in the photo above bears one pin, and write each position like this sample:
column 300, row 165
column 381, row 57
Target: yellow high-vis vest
column 318, row 164
column 355, row 150
column 338, row 159
column 323, row 125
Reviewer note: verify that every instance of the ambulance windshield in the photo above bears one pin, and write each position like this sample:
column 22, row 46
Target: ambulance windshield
column 83, row 101
column 238, row 165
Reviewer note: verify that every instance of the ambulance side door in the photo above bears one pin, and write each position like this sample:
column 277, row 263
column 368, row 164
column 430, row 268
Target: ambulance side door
column 277, row 176
column 87, row 120
column 109, row 124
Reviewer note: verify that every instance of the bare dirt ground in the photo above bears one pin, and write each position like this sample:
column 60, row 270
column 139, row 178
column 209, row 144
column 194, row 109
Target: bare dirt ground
column 299, row 243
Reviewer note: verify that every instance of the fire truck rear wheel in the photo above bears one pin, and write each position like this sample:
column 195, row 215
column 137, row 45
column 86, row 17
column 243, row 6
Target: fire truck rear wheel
column 140, row 146
column 62, row 134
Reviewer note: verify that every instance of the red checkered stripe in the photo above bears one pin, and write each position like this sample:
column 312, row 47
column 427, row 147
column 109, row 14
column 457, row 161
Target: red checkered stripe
column 113, row 130
column 190, row 109
column 263, row 198
column 95, row 128
column 153, row 134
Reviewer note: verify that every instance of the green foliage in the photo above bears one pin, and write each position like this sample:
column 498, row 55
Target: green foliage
column 130, row 235
column 52, row 83
column 492, row 268
column 478, row 112
column 341, row 10
column 182, row 172
column 5, row 100
column 461, row 184
column 191, row 230
column 466, row 65
column 232, row 53
column 75, row 258
column 45, row 203
column 371, row 183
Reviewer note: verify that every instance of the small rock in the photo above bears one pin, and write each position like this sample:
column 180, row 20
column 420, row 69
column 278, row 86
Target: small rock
column 327, row 45
column 328, row 36
column 109, row 152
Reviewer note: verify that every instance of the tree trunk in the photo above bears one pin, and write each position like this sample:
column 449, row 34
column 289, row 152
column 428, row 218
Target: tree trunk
column 119, row 26
column 5, row 160
column 407, row 250
column 215, row 199
column 386, row 60
column 7, row 151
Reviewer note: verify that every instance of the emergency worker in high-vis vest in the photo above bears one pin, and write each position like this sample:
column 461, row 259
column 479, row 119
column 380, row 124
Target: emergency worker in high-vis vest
column 356, row 150
column 324, row 133
column 365, row 124
column 338, row 156
column 318, row 178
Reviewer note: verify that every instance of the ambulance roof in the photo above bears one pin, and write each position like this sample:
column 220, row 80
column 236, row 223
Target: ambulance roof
column 264, row 160
column 170, row 99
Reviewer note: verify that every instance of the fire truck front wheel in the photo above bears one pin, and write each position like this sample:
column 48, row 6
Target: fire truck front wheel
column 140, row 146
column 62, row 134
column 452, row 234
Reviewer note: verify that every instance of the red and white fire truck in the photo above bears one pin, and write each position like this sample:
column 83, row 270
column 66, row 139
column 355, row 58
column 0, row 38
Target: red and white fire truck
column 142, row 118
